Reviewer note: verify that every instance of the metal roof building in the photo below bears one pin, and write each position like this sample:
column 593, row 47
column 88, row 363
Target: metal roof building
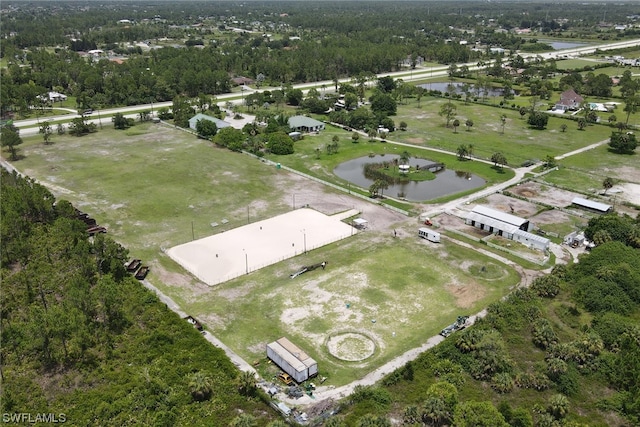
column 305, row 124
column 506, row 225
column 220, row 124
column 592, row 205
column 501, row 216
column 292, row 359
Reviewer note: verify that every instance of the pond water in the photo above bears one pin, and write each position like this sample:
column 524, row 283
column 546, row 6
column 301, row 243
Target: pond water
column 562, row 45
column 442, row 87
column 447, row 181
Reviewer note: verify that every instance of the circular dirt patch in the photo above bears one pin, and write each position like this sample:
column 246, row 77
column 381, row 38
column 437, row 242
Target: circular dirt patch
column 351, row 346
column 488, row 271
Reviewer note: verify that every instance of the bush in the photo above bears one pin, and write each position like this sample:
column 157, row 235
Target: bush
column 546, row 286
column 502, row 382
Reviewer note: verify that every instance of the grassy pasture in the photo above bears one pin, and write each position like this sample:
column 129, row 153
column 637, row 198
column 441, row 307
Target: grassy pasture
column 518, row 142
column 150, row 184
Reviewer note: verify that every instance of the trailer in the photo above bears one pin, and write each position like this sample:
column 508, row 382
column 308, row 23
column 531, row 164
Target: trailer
column 292, row 360
column 430, row 235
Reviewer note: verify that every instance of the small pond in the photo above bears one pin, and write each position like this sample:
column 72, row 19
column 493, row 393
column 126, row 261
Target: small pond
column 447, row 181
column 442, row 87
column 562, row 45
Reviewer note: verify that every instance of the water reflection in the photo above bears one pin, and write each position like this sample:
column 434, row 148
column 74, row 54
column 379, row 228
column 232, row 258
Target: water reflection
column 447, row 181
column 459, row 88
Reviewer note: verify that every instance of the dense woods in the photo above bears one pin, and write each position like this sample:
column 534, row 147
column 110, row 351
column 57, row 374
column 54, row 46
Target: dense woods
column 83, row 338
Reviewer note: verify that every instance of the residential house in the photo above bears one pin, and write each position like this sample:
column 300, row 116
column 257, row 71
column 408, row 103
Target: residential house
column 220, row 124
column 569, row 100
column 305, row 124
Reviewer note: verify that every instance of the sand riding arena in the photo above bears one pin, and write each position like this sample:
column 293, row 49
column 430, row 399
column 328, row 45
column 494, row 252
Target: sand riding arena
column 230, row 254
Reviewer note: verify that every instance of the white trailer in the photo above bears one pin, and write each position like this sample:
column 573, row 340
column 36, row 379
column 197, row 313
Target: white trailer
column 292, row 360
column 429, row 234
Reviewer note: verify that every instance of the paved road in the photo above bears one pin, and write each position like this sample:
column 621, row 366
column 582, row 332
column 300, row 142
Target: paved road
column 420, row 73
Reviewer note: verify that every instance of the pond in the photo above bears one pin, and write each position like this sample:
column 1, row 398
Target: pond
column 447, row 181
column 562, row 45
column 442, row 87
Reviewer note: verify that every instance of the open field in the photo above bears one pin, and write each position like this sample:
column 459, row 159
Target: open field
column 154, row 187
column 518, row 142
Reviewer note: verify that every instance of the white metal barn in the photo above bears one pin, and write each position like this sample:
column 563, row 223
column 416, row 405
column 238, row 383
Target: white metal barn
column 506, row 225
column 292, row 359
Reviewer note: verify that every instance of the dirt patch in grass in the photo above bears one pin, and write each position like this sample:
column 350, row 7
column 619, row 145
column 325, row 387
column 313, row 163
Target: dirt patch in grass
column 510, row 205
column 466, row 294
column 541, row 193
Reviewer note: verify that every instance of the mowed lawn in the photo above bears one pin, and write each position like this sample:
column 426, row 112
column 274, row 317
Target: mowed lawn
column 152, row 185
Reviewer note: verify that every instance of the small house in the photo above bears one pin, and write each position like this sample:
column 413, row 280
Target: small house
column 220, row 124
column 305, row 124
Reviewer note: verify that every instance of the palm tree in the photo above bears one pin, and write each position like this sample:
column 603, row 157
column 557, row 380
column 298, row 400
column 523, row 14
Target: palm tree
column 456, row 124
column 334, row 422
column 200, row 386
column 382, row 185
column 247, row 383
column 556, row 367
column 469, row 124
column 404, row 158
column 601, row 236
column 470, row 148
column 370, row 420
column 434, row 411
column 499, row 159
column 608, row 183
column 558, row 406
column 462, row 151
column 503, row 122
column 243, row 420
column 411, row 415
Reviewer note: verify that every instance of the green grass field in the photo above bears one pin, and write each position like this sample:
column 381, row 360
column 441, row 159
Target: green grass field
column 518, row 142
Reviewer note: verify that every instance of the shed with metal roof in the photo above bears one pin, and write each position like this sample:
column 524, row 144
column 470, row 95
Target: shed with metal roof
column 592, row 205
column 292, row 359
